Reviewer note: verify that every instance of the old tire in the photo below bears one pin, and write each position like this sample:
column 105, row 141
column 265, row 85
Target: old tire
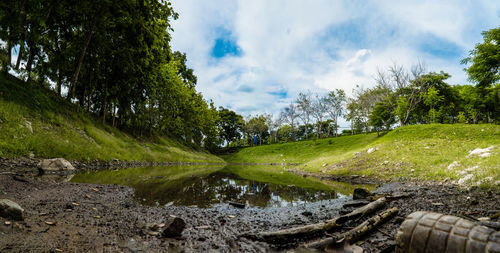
column 428, row 232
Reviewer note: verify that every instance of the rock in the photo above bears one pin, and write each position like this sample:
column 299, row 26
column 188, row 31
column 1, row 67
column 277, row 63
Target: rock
column 370, row 150
column 307, row 213
column 69, row 205
column 173, row 227
column 55, row 164
column 10, row 209
column 360, row 193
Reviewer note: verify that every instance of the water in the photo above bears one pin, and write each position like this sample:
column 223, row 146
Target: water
column 203, row 186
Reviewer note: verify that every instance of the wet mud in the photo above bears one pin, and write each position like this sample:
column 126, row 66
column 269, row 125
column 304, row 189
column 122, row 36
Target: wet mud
column 62, row 216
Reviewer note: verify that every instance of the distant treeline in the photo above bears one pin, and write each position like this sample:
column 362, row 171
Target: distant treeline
column 401, row 97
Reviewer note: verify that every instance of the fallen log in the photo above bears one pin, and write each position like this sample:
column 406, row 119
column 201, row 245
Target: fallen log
column 311, row 229
column 354, row 234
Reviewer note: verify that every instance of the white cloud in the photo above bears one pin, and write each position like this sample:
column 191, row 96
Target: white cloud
column 291, row 46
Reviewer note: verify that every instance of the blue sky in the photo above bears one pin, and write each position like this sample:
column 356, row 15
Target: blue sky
column 256, row 56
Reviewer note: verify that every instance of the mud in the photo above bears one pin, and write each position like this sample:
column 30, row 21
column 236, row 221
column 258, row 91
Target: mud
column 106, row 218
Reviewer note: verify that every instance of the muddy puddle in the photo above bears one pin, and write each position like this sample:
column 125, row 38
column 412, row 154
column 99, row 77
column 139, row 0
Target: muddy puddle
column 205, row 186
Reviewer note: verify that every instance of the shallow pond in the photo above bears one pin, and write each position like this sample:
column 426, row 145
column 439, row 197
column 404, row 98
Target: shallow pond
column 203, row 186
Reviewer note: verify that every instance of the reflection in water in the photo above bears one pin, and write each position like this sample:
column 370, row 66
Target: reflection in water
column 204, row 187
column 222, row 187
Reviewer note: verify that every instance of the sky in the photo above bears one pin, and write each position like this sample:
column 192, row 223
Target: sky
column 255, row 56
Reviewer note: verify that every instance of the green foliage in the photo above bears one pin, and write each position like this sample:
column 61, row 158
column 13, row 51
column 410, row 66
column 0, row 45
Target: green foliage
column 37, row 120
column 382, row 116
column 410, row 152
column 485, row 59
column 230, row 124
column 431, row 99
column 314, row 151
column 116, row 62
column 462, row 118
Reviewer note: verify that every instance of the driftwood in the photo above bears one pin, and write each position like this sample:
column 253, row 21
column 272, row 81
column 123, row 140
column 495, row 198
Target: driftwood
column 354, row 234
column 287, row 234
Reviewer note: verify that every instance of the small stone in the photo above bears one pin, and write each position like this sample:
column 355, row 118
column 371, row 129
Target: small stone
column 484, row 219
column 370, row 150
column 174, row 227
column 307, row 213
column 69, row 205
column 154, row 227
column 7, row 223
column 56, row 164
column 10, row 209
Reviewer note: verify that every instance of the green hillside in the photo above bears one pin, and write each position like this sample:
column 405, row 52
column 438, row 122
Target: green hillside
column 429, row 152
column 36, row 120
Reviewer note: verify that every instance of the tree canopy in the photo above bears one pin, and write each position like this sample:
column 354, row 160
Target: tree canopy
column 485, row 59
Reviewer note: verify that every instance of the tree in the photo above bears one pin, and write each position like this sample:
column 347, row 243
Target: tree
column 431, row 99
column 290, row 115
column 382, row 116
column 485, row 59
column 319, row 111
column 304, row 106
column 335, row 100
column 257, row 126
column 230, row 124
column 402, row 88
column 354, row 115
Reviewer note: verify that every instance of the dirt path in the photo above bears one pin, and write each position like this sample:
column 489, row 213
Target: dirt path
column 107, row 219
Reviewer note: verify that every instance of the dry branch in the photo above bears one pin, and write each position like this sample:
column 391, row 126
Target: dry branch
column 287, row 234
column 354, row 234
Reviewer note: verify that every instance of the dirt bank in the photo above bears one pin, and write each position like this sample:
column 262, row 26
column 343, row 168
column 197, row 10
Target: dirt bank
column 107, row 219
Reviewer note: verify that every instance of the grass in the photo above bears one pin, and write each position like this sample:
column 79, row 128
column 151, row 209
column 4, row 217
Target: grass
column 420, row 152
column 313, row 152
column 36, row 120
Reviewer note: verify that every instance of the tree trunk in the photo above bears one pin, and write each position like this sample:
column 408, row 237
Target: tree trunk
column 59, row 80
column 9, row 57
column 311, row 229
column 104, row 102
column 71, row 91
column 114, row 114
column 19, row 55
column 31, row 57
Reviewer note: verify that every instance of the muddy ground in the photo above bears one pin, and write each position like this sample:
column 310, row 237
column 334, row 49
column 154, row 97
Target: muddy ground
column 106, row 218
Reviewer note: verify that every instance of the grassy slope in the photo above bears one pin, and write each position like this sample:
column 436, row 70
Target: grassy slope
column 315, row 153
column 36, row 120
column 417, row 152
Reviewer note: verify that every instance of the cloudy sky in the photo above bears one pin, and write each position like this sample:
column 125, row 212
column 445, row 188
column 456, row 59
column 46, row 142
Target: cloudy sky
column 255, row 56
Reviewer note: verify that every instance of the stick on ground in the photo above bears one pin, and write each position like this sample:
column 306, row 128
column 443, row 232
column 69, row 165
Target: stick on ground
column 354, row 234
column 311, row 229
